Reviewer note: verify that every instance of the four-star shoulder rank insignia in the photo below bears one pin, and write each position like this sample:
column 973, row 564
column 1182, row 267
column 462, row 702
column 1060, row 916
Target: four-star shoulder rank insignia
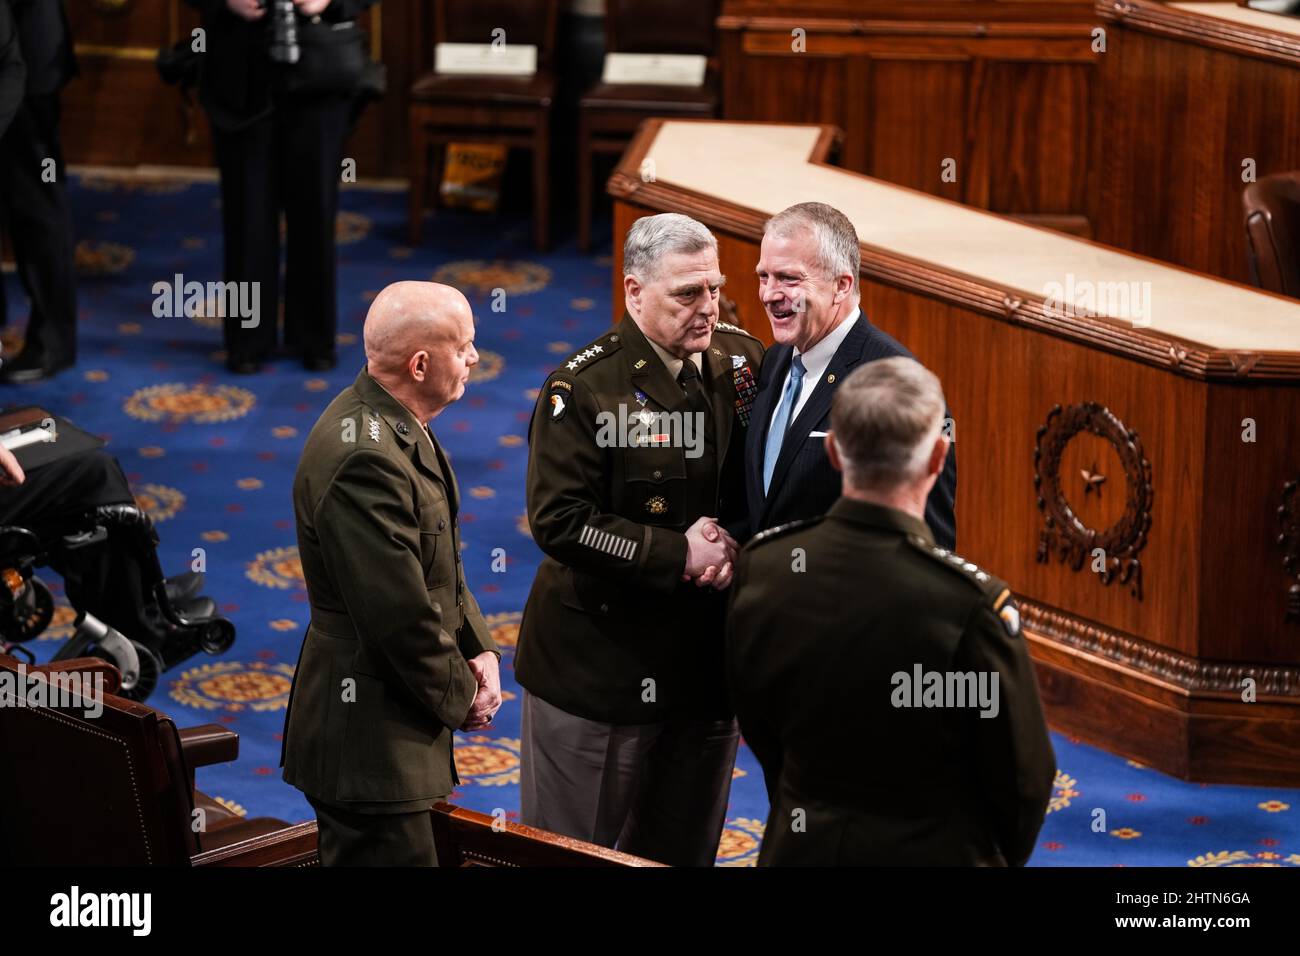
column 374, row 428
column 582, row 356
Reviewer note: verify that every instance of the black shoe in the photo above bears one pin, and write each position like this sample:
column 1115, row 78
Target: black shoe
column 183, row 586
column 25, row 368
column 320, row 363
column 244, row 366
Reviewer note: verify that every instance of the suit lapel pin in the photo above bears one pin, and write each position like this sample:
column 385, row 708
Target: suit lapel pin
column 830, row 379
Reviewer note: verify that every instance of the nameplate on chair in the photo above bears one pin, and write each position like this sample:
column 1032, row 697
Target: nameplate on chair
column 657, row 69
column 506, row 59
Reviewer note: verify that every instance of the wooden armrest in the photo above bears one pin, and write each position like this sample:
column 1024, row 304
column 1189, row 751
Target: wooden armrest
column 293, row 846
column 88, row 666
column 208, row 744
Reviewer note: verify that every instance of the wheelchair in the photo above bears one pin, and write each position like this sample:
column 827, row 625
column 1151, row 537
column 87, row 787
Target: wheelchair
column 173, row 622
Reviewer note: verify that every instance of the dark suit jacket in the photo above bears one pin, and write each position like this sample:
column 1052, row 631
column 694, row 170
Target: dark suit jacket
column 236, row 86
column 804, row 485
column 13, row 73
column 46, row 43
column 376, row 503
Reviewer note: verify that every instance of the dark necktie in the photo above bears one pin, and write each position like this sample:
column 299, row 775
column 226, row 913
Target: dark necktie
column 689, row 379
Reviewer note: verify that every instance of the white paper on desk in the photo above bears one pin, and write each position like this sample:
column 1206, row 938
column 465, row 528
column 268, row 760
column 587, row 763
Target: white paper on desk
column 18, row 439
column 659, row 69
column 506, row 59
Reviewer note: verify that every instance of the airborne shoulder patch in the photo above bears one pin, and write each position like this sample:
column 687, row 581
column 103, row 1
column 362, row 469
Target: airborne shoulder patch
column 559, row 398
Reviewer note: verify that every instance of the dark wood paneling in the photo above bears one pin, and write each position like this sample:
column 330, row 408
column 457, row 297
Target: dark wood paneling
column 1002, row 88
column 1180, row 107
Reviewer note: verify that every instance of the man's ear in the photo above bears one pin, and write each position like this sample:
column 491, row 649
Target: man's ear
column 843, row 286
column 832, row 452
column 632, row 289
column 938, row 455
column 418, row 365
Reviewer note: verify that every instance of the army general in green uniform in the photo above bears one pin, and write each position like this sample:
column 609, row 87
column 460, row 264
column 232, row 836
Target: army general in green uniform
column 882, row 681
column 397, row 655
column 635, row 473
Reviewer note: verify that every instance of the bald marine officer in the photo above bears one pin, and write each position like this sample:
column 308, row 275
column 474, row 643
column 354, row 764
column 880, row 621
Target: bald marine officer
column 397, row 655
column 635, row 473
column 892, row 703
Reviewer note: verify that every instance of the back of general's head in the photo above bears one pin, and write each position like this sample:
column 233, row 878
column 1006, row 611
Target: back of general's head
column 886, row 419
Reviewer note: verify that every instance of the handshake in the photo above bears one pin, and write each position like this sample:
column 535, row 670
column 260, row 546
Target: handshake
column 710, row 554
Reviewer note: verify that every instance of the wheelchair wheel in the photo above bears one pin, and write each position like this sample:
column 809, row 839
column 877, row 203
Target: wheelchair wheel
column 218, row 634
column 151, row 669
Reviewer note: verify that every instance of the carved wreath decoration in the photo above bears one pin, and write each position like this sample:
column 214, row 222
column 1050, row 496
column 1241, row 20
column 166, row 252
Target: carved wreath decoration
column 1070, row 539
column 1289, row 538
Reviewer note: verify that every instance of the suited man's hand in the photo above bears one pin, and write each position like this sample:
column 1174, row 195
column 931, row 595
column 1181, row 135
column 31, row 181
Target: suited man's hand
column 488, row 699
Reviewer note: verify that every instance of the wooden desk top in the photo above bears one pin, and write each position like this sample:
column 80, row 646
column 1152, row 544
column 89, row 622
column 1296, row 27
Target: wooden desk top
column 1221, row 26
column 1244, row 16
column 735, row 175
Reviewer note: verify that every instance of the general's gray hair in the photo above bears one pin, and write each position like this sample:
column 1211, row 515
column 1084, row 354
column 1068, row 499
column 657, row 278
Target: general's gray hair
column 653, row 237
column 885, row 418
column 837, row 240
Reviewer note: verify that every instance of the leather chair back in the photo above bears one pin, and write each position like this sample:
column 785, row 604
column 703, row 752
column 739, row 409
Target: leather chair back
column 1272, row 208
column 110, row 789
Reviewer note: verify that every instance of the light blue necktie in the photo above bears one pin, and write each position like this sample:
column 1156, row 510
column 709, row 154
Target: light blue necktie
column 781, row 421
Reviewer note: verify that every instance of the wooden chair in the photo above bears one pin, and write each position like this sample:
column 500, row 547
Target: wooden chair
column 609, row 113
column 1272, row 208
column 466, row 838
column 513, row 111
column 117, row 787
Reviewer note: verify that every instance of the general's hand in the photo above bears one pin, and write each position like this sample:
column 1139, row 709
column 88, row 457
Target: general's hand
column 709, row 548
column 247, row 9
column 311, row 8
column 710, row 552
column 11, row 473
column 488, row 699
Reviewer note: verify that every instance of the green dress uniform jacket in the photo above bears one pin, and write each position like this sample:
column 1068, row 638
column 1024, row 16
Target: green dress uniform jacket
column 610, row 632
column 835, row 625
column 382, row 680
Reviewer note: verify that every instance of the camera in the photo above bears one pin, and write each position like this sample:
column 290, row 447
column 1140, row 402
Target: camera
column 284, row 31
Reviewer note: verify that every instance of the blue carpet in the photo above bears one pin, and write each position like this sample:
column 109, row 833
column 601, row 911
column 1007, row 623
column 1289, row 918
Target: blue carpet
column 212, row 457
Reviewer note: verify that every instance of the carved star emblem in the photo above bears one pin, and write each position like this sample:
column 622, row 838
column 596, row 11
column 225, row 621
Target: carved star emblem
column 1092, row 480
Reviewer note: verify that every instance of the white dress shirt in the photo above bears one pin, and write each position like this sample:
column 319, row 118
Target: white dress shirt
column 815, row 361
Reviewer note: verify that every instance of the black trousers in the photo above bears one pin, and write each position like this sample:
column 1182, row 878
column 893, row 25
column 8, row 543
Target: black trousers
column 36, row 216
column 347, row 838
column 289, row 161
column 108, row 582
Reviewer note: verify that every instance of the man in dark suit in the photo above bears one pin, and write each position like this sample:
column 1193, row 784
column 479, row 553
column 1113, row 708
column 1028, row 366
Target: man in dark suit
column 397, row 655
column 13, row 73
column 897, row 723
column 808, row 281
column 33, row 203
column 636, row 455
